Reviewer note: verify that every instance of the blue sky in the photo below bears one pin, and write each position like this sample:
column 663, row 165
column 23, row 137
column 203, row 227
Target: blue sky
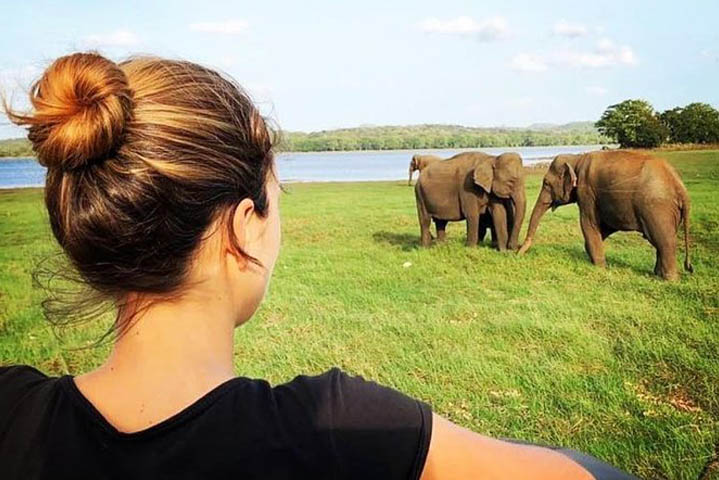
column 326, row 64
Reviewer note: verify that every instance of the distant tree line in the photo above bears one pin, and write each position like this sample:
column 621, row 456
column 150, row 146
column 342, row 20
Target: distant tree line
column 631, row 123
column 635, row 124
column 412, row 137
column 16, row 147
column 440, row 136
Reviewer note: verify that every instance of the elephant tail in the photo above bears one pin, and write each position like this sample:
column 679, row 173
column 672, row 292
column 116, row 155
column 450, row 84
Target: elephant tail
column 685, row 218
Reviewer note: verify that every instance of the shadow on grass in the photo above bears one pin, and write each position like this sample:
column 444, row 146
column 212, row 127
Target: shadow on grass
column 577, row 253
column 408, row 242
column 405, row 241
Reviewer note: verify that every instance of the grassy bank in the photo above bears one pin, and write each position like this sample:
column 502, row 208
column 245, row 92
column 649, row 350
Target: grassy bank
column 543, row 347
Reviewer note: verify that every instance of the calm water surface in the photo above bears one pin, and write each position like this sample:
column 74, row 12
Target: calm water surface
column 316, row 167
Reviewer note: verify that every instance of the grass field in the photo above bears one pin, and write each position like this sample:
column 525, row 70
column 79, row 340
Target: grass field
column 543, row 347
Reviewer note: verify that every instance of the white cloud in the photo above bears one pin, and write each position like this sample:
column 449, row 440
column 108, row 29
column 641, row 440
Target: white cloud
column 228, row 27
column 118, row 38
column 21, row 75
column 259, row 91
column 527, row 62
column 520, row 102
column 605, row 54
column 710, row 54
column 605, row 45
column 493, row 28
column 572, row 30
column 15, row 83
column 596, row 90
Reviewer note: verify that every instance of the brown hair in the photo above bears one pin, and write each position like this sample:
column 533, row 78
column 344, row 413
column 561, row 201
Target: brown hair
column 142, row 157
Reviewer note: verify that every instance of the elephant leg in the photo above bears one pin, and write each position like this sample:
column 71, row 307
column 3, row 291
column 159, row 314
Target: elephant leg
column 499, row 220
column 592, row 241
column 472, row 230
column 424, row 220
column 660, row 230
column 440, row 225
column 666, row 261
column 494, row 237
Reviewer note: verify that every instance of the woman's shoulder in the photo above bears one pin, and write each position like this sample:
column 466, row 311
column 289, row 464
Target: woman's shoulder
column 348, row 398
column 16, row 381
column 20, row 375
column 332, row 382
column 368, row 429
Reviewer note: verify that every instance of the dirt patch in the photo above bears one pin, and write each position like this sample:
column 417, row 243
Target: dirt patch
column 711, row 469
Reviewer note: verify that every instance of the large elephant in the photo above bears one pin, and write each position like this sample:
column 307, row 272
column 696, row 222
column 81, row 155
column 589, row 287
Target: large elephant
column 420, row 162
column 467, row 186
column 618, row 191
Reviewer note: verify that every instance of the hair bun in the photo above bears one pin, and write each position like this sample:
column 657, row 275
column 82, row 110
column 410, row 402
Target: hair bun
column 81, row 106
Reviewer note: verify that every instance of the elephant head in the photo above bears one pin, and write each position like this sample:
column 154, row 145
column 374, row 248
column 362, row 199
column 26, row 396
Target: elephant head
column 508, row 171
column 507, row 183
column 497, row 175
column 558, row 188
column 420, row 162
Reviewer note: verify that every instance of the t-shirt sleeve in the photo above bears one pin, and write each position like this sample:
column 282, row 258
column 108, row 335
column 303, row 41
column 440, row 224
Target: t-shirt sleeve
column 369, row 431
column 15, row 381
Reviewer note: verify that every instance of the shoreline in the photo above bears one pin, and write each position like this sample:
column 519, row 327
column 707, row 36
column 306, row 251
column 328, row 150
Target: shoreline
column 531, row 169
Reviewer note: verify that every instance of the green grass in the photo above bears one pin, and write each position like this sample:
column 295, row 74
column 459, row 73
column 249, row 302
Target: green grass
column 544, row 347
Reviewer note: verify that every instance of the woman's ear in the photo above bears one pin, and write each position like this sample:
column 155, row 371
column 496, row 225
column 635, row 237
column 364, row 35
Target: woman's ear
column 241, row 221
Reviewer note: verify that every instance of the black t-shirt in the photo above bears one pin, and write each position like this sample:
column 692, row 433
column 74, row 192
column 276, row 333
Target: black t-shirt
column 327, row 426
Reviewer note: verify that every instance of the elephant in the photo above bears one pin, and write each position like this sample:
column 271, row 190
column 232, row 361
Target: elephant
column 618, row 190
column 420, row 162
column 468, row 186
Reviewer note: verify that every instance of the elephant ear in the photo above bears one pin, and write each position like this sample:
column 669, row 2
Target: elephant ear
column 569, row 178
column 484, row 174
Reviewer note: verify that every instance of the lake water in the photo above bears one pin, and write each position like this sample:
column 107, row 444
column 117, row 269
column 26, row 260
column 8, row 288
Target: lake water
column 316, row 167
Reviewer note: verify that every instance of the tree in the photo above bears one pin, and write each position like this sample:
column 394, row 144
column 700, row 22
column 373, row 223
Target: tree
column 633, row 123
column 673, row 121
column 701, row 123
column 695, row 123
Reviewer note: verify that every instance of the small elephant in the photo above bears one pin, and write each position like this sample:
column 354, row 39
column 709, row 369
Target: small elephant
column 420, row 162
column 619, row 191
column 468, row 186
column 485, row 223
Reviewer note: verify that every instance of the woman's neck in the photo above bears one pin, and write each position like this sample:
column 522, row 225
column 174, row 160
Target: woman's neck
column 193, row 336
column 173, row 354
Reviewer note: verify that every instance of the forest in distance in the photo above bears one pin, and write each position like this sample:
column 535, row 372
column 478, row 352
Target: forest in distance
column 411, row 137
column 633, row 123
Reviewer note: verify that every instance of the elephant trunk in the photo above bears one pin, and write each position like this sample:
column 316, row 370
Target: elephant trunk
column 544, row 201
column 411, row 170
column 520, row 210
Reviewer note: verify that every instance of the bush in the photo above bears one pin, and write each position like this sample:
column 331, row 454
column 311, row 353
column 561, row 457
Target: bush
column 695, row 123
column 633, row 124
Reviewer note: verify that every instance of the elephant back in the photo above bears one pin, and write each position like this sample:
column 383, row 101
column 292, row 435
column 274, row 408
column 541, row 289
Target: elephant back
column 450, row 169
